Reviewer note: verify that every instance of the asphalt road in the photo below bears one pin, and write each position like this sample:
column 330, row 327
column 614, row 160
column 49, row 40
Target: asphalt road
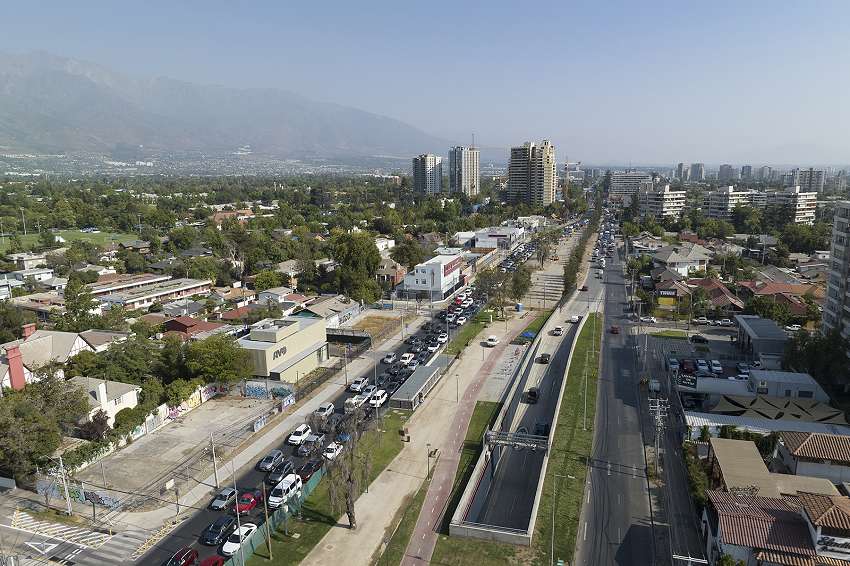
column 615, row 525
column 190, row 530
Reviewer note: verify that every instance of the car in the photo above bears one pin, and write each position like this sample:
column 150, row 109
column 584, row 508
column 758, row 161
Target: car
column 544, row 358
column 279, row 472
column 382, row 379
column 415, row 349
column 407, row 358
column 742, row 368
column 218, row 530
column 700, row 320
column 184, row 557
column 648, row 319
column 270, row 460
column 354, row 403
column 311, row 444
column 615, row 329
column 532, row 395
column 461, row 320
column 688, row 366
column 289, row 486
column 714, row 322
column 443, row 338
column 702, row 365
column 332, row 450
column 299, row 435
column 390, row 358
column 308, row 468
column 492, row 341
column 558, row 331
column 359, row 383
column 672, row 364
column 234, row 541
column 325, row 409
column 450, row 318
column 583, row 288
column 224, row 498
column 699, row 339
column 378, row 398
column 726, row 322
column 396, row 369
column 214, row 560
column 793, row 327
column 716, row 367
column 433, row 347
column 466, row 303
column 575, row 319
column 413, row 364
column 247, row 502
column 740, row 377
column 368, row 390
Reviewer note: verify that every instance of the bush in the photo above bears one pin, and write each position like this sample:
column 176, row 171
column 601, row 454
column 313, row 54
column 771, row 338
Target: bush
column 697, row 477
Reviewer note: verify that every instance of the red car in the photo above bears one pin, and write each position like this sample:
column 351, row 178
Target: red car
column 213, row 561
column 248, row 501
column 184, row 557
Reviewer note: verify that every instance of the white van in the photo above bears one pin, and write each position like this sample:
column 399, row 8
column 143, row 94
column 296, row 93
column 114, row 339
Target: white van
column 288, row 486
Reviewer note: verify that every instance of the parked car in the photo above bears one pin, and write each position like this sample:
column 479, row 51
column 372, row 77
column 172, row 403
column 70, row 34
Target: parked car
column 247, row 502
column 279, row 472
column 433, row 347
column 224, row 498
column 390, row 358
column 413, row 364
column 313, row 443
column 359, row 383
column 461, row 320
column 558, row 331
column 615, row 329
column 270, row 460
column 699, row 339
column 742, row 368
column 368, row 391
column 700, row 320
column 716, row 367
column 325, row 409
column 299, row 435
column 793, row 327
column 648, row 319
column 308, row 468
column 532, row 395
column 492, row 341
column 702, row 365
column 289, row 486
column 672, row 364
column 184, row 557
column 218, row 530
column 234, row 541
column 354, row 403
column 407, row 358
column 544, row 358
column 378, row 398
column 575, row 319
column 726, row 322
column 332, row 450
column 214, row 560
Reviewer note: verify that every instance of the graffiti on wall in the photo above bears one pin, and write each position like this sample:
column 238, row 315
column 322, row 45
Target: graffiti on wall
column 53, row 488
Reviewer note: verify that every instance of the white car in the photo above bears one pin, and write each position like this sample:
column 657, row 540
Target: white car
column 407, row 358
column 443, row 338
column 461, row 320
column 492, row 341
column 378, row 398
column 288, row 486
column 466, row 303
column 450, row 318
column 432, row 347
column 358, row 384
column 297, row 436
column 234, row 541
column 716, row 367
column 558, row 331
column 332, row 450
column 702, row 365
column 575, row 319
column 793, row 327
column 389, row 358
column 648, row 319
column 325, row 409
column 368, row 391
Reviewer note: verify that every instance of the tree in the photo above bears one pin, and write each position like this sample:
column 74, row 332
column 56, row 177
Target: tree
column 134, row 262
column 267, row 279
column 47, row 240
column 96, row 427
column 12, row 319
column 520, row 283
column 630, row 229
column 218, row 359
column 728, row 560
column 349, row 471
column 408, row 253
column 767, row 307
column 79, row 304
column 358, row 260
column 823, row 356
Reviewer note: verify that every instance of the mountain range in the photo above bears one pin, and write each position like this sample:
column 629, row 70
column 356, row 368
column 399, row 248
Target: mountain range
column 53, row 104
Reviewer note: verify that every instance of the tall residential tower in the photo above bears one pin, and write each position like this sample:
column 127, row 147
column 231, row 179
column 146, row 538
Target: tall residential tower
column 532, row 173
column 464, row 170
column 428, row 174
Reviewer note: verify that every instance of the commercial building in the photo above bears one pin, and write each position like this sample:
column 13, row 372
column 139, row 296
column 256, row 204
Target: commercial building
column 726, row 173
column 811, row 180
column 786, row 384
column 286, row 349
column 626, row 184
column 532, row 173
column 659, row 201
column 697, row 172
column 145, row 296
column 434, row 279
column 747, row 172
column 836, row 310
column 501, row 237
column 800, row 204
column 464, row 170
column 760, row 337
column 428, row 174
column 719, row 203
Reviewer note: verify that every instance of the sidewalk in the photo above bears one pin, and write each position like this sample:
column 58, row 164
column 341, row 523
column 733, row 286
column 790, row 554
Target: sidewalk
column 440, row 421
column 149, row 520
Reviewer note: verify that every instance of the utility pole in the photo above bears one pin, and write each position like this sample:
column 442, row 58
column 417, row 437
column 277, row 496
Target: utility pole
column 658, row 408
column 65, row 486
column 268, row 532
column 215, row 463
column 24, row 220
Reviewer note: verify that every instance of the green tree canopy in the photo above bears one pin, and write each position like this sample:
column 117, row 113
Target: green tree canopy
column 217, row 359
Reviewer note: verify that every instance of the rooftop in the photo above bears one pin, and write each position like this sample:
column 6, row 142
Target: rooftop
column 114, row 389
column 155, row 289
column 695, row 420
column 827, row 511
column 818, row 446
column 760, row 328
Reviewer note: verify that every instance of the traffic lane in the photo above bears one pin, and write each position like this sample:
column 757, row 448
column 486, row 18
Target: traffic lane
column 38, row 546
column 248, row 479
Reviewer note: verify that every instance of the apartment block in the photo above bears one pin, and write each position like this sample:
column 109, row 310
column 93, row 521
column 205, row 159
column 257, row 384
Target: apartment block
column 836, row 310
column 464, row 170
column 682, row 172
column 747, row 172
column 532, row 173
column 720, row 203
column 626, row 184
column 661, row 201
column 810, row 180
column 697, row 172
column 726, row 173
column 801, row 204
column 428, row 174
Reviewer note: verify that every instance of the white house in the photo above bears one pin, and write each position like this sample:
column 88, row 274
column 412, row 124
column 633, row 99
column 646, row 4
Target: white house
column 818, row 455
column 35, row 274
column 682, row 258
column 108, row 396
column 274, row 295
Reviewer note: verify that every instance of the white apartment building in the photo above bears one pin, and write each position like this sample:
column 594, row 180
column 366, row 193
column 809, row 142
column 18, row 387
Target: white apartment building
column 464, row 170
column 661, row 201
column 758, row 199
column 801, row 204
column 626, row 184
column 532, row 173
column 836, row 310
column 428, row 174
column 434, row 279
column 720, row 203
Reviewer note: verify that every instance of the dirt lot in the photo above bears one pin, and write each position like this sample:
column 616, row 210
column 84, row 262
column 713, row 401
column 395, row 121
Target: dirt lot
column 382, row 324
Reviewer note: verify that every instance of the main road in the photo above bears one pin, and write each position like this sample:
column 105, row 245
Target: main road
column 615, row 524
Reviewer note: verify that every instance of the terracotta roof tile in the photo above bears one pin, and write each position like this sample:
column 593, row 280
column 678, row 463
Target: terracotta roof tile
column 827, row 511
column 818, row 446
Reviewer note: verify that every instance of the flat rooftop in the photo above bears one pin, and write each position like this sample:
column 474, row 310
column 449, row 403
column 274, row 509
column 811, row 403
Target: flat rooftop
column 761, row 328
column 155, row 290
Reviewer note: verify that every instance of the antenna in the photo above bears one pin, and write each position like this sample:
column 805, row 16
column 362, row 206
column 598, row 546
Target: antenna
column 473, row 139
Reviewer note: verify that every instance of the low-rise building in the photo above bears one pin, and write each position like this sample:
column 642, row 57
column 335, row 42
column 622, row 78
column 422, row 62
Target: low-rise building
column 760, row 337
column 286, row 349
column 384, row 244
column 111, row 397
column 145, row 296
column 27, row 260
column 188, row 328
column 21, row 359
column 390, row 272
column 682, row 258
column 335, row 310
column 98, row 270
column 776, row 383
column 114, row 283
column 434, row 279
column 36, row 274
column 819, row 455
column 502, row 237
column 274, row 295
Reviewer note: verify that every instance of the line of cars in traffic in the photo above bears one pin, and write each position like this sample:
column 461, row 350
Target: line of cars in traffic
column 517, row 257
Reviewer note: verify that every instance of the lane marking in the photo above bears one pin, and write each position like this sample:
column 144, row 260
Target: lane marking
column 585, row 530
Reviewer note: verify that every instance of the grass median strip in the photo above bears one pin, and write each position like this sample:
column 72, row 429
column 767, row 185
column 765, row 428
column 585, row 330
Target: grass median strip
column 533, row 328
column 677, row 334
column 394, row 552
column 317, row 516
column 570, row 449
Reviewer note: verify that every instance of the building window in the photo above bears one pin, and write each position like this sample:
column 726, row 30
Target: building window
column 805, row 394
column 787, row 392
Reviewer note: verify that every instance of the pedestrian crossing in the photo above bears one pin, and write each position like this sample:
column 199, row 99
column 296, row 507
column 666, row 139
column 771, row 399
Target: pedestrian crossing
column 68, row 533
column 120, row 548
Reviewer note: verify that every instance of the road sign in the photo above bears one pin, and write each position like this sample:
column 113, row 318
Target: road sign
column 41, row 547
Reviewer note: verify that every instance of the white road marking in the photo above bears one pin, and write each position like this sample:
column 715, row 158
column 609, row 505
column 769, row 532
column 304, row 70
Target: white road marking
column 585, row 530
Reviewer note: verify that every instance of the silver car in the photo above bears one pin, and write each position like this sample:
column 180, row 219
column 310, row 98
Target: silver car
column 224, row 498
column 271, row 460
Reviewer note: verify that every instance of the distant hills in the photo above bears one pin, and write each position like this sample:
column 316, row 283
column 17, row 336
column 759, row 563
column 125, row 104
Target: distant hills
column 52, row 104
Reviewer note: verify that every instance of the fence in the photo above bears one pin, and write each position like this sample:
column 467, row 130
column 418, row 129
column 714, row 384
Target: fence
column 276, row 519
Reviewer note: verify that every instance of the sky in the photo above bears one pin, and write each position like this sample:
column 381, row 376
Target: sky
column 651, row 82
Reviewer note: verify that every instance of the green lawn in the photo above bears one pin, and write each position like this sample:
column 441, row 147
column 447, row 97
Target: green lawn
column 467, row 332
column 678, row 334
column 463, row 551
column 568, row 459
column 317, row 516
column 394, row 552
column 534, row 326
column 33, row 240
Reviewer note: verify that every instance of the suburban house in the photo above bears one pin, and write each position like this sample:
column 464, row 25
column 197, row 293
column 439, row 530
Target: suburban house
column 138, row 246
column 36, row 274
column 98, row 270
column 291, row 269
column 336, row 310
column 21, row 359
column 27, row 260
column 682, row 258
column 101, row 340
column 188, row 328
column 719, row 296
column 390, row 272
column 241, row 216
column 828, row 520
column 236, row 296
column 184, row 307
column 108, row 396
column 645, row 243
column 818, row 455
column 274, row 296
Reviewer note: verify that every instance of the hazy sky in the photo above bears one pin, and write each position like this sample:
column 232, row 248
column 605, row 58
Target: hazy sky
column 647, row 82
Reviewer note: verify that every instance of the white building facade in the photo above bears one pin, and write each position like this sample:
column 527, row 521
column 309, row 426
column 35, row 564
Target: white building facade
column 434, row 279
column 661, row 201
column 464, row 170
column 428, row 174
